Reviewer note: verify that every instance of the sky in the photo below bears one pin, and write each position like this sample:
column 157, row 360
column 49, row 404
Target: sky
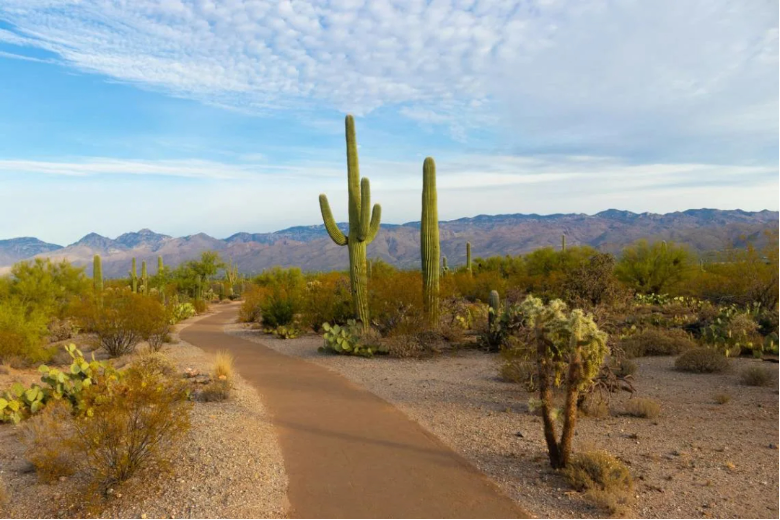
column 220, row 116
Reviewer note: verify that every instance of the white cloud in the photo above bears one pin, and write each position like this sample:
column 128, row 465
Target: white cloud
column 688, row 78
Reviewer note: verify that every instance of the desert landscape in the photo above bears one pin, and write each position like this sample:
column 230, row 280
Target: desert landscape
column 393, row 259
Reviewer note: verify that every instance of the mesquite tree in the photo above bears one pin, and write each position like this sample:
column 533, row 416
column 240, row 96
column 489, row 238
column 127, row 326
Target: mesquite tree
column 570, row 350
column 363, row 225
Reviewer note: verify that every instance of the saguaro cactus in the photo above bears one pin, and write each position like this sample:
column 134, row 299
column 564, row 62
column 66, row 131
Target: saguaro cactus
column 160, row 265
column 133, row 277
column 495, row 306
column 429, row 243
column 362, row 228
column 144, row 278
column 563, row 243
column 468, row 257
column 444, row 267
column 97, row 274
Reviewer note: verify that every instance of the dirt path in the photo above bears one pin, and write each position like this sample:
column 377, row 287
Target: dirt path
column 348, row 453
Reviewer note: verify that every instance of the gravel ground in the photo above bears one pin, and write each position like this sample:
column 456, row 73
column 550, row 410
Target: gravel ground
column 229, row 464
column 696, row 459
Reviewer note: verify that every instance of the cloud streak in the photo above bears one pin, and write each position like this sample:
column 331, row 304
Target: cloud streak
column 685, row 78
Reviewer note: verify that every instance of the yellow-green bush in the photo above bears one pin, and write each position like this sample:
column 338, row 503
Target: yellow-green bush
column 702, row 360
column 656, row 342
column 22, row 334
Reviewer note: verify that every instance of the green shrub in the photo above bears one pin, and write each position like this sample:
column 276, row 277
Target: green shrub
column 656, row 342
column 644, row 408
column 327, row 298
column 702, row 360
column 757, row 376
column 22, row 334
column 251, row 308
column 200, row 305
column 278, row 310
column 180, row 312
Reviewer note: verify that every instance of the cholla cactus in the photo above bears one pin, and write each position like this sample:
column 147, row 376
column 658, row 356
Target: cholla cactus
column 363, row 225
column 570, row 349
column 429, row 243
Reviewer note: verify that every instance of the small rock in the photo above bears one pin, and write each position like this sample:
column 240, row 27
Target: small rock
column 520, row 434
column 772, row 446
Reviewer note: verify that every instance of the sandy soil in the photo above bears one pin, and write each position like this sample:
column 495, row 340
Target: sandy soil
column 229, row 465
column 696, row 459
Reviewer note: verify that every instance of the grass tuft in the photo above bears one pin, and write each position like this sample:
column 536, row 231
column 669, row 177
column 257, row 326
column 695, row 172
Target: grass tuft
column 757, row 376
column 644, row 408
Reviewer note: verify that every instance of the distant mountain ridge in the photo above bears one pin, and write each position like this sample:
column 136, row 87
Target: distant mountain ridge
column 310, row 248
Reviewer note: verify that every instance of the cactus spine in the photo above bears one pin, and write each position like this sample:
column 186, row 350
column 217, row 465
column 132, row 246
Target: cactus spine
column 429, row 243
column 97, row 274
column 363, row 225
column 133, row 278
column 468, row 257
column 563, row 243
column 144, row 278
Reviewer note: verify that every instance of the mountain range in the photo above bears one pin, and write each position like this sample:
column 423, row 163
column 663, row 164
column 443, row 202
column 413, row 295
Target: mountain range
column 309, row 247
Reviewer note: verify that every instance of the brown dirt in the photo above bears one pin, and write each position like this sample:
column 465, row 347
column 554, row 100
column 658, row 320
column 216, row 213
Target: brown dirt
column 697, row 459
column 348, row 453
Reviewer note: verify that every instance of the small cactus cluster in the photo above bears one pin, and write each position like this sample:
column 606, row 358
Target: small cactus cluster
column 363, row 225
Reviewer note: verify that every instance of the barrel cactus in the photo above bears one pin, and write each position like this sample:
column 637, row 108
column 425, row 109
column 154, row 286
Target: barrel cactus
column 363, row 225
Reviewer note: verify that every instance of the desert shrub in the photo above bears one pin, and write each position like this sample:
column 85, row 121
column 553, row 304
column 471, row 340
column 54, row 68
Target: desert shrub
column 47, row 287
column 656, row 342
column 624, row 367
column 327, row 298
column 278, row 310
column 122, row 320
column 285, row 331
column 214, row 392
column 154, row 363
column 22, row 334
column 722, row 398
column 702, row 360
column 642, row 407
column 420, row 345
column 47, row 438
column 757, row 376
column 518, row 365
column 604, row 478
column 251, row 310
column 61, row 329
column 653, row 268
column 594, row 283
column 395, row 303
column 595, row 406
column 351, row 339
column 130, row 424
column 200, row 305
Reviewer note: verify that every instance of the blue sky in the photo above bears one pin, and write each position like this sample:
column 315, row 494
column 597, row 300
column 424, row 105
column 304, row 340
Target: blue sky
column 225, row 116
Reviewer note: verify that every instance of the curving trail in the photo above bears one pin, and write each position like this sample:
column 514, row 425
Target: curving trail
column 348, row 453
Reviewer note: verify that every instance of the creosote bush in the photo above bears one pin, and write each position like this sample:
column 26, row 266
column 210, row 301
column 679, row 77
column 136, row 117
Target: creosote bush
column 48, row 439
column 702, row 360
column 605, row 479
column 131, row 423
column 656, row 342
column 642, row 407
column 757, row 376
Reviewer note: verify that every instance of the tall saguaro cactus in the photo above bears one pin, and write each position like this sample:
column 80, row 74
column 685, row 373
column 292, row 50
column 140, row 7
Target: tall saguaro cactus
column 160, row 265
column 144, row 278
column 429, row 242
column 563, row 243
column 97, row 274
column 468, row 257
column 133, row 277
column 363, row 225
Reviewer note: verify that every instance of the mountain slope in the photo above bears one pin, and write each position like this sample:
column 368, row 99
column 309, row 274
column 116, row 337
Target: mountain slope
column 15, row 249
column 310, row 248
